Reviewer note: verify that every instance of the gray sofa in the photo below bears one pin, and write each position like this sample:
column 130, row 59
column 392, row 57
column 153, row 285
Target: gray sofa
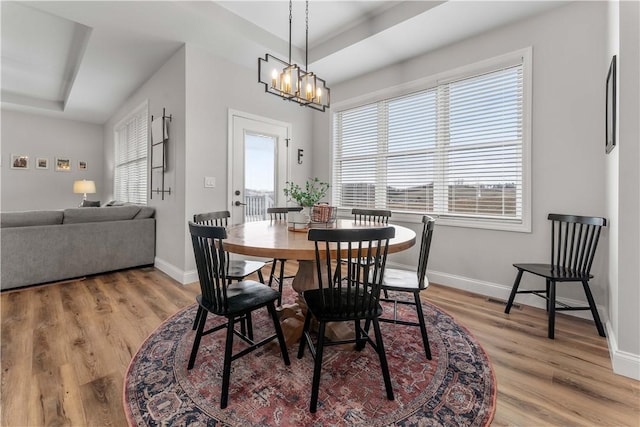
column 47, row 246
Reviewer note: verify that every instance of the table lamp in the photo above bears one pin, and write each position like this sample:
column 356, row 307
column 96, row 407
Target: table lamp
column 84, row 187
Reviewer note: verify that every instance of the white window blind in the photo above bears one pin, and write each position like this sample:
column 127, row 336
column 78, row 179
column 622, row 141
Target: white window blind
column 131, row 142
column 452, row 150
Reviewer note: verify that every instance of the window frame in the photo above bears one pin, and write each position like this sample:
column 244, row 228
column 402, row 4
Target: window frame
column 139, row 111
column 521, row 56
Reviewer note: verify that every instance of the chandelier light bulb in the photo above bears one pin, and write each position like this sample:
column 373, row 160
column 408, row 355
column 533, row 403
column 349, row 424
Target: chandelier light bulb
column 287, row 82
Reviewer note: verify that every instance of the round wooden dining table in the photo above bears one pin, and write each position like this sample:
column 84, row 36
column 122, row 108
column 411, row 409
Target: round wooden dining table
column 274, row 239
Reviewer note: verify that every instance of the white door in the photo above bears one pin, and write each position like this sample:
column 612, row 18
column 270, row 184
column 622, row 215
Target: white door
column 259, row 165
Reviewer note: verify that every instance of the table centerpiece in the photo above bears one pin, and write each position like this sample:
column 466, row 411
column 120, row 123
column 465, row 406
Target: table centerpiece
column 307, row 197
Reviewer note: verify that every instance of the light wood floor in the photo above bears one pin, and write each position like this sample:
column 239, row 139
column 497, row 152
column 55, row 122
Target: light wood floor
column 66, row 347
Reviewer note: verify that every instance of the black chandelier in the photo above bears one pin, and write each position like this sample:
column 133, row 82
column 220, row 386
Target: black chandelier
column 291, row 82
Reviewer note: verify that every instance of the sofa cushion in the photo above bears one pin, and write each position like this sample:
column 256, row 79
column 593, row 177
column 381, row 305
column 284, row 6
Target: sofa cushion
column 115, row 213
column 29, row 218
column 145, row 212
column 115, row 203
column 90, row 204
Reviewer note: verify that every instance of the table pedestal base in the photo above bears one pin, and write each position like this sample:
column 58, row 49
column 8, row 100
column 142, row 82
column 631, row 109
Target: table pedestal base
column 292, row 315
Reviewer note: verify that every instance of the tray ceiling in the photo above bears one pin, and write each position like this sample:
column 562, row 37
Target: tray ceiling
column 82, row 59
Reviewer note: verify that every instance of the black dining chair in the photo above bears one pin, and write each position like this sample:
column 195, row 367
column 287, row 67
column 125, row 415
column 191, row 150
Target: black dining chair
column 371, row 215
column 234, row 301
column 574, row 240
column 404, row 281
column 237, row 269
column 351, row 296
column 280, row 214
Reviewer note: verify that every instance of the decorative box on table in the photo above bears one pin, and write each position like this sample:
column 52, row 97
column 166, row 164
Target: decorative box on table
column 323, row 213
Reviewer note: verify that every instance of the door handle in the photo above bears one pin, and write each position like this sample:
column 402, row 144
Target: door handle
column 237, row 203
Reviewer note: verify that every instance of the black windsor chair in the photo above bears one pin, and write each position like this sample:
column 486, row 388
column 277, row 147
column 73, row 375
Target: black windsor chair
column 280, row 214
column 237, row 269
column 233, row 301
column 349, row 297
column 371, row 215
column 410, row 282
column 574, row 240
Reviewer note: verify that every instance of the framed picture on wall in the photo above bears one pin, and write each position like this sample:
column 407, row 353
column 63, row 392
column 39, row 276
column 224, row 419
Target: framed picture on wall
column 82, row 165
column 19, row 161
column 610, row 123
column 63, row 164
column 42, row 163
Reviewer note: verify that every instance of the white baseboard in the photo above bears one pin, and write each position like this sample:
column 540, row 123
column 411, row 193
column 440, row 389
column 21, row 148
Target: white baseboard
column 624, row 363
column 502, row 292
column 181, row 276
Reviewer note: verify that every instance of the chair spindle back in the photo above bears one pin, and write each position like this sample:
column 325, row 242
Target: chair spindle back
column 371, row 215
column 355, row 286
column 574, row 240
column 208, row 248
column 216, row 219
column 280, row 214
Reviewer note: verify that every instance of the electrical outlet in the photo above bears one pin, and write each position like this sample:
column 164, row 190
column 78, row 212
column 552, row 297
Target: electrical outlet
column 209, row 181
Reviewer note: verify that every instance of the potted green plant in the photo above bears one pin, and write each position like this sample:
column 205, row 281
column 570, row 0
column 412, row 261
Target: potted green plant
column 314, row 190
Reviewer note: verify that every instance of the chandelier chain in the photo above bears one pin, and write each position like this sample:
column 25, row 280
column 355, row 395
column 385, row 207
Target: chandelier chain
column 306, row 41
column 290, row 19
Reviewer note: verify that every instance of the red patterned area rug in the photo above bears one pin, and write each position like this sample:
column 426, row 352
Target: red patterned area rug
column 456, row 388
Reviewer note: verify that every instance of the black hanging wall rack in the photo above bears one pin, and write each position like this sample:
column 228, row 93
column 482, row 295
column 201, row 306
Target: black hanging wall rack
column 159, row 153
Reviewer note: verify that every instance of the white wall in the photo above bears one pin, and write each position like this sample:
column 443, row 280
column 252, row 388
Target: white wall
column 612, row 161
column 198, row 88
column 43, row 136
column 166, row 88
column 567, row 149
column 572, row 47
column 624, row 339
column 214, row 86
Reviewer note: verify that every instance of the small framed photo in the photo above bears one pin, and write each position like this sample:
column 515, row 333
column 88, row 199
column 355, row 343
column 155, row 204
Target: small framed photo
column 42, row 163
column 610, row 118
column 82, row 165
column 19, row 161
column 63, row 164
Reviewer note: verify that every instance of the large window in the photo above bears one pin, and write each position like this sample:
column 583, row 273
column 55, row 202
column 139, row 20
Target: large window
column 131, row 163
column 455, row 149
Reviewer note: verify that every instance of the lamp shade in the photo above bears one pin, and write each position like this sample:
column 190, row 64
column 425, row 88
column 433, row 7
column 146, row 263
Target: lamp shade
column 84, row 187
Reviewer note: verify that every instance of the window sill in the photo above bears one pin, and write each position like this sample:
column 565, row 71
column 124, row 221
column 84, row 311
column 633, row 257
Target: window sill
column 484, row 224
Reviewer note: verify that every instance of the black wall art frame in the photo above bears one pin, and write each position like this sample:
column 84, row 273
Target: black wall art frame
column 610, row 124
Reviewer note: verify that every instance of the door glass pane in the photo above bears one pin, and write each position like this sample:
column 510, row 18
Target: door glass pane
column 259, row 175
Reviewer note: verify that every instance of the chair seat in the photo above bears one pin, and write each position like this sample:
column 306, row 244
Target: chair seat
column 243, row 297
column 402, row 280
column 317, row 301
column 557, row 274
column 239, row 269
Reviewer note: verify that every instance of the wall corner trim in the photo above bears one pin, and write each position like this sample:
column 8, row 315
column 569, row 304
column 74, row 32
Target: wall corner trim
column 624, row 363
column 181, row 276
